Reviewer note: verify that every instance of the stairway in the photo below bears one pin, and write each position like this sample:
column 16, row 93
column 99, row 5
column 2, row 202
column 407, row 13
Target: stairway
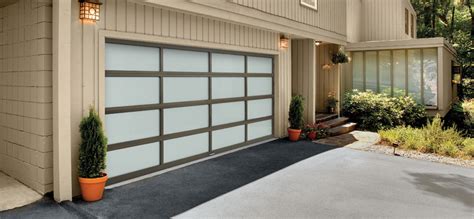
column 338, row 126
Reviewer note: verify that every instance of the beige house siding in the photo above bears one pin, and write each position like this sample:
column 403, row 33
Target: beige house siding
column 131, row 21
column 331, row 14
column 380, row 20
column 26, row 93
column 303, row 75
column 445, row 85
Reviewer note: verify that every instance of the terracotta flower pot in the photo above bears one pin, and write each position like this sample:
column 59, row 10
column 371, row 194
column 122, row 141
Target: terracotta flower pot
column 312, row 135
column 92, row 189
column 294, row 134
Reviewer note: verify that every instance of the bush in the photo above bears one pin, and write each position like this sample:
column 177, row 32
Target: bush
column 295, row 115
column 467, row 88
column 461, row 115
column 432, row 138
column 93, row 149
column 373, row 112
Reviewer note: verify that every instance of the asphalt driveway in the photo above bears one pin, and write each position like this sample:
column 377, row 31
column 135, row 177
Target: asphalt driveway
column 284, row 180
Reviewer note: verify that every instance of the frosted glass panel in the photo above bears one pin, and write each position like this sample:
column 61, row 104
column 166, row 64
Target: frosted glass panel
column 259, row 108
column 385, row 63
column 430, row 76
column 259, row 129
column 399, row 73
column 259, row 65
column 123, row 127
column 129, row 91
column 126, row 57
column 228, row 113
column 185, row 89
column 131, row 159
column 259, row 86
column 185, row 61
column 358, row 71
column 227, row 87
column 414, row 74
column 228, row 63
column 180, row 148
column 185, row 118
column 371, row 71
column 227, row 137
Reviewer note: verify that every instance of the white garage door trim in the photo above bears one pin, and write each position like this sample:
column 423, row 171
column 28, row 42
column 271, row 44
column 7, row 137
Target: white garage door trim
column 180, row 135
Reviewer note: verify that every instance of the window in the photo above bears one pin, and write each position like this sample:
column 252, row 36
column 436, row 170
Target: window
column 401, row 72
column 412, row 26
column 310, row 3
column 406, row 21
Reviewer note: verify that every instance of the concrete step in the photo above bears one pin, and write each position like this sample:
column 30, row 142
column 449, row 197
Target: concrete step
column 325, row 117
column 342, row 129
column 336, row 122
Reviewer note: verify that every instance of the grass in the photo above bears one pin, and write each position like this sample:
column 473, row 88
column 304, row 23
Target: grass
column 432, row 138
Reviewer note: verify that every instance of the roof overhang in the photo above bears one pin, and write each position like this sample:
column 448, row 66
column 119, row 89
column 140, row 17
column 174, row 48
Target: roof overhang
column 4, row 3
column 401, row 44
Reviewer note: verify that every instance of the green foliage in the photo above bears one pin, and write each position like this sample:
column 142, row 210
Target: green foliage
column 461, row 115
column 467, row 87
column 432, row 138
column 93, row 147
column 296, row 112
column 339, row 57
column 321, row 129
column 372, row 111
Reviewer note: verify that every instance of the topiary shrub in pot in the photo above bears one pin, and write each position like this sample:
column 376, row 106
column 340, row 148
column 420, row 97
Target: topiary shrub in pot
column 296, row 117
column 92, row 153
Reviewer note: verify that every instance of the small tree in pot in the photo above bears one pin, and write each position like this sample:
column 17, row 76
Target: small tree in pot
column 92, row 153
column 296, row 117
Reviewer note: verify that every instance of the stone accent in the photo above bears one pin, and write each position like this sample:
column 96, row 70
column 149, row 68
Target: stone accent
column 354, row 139
column 26, row 93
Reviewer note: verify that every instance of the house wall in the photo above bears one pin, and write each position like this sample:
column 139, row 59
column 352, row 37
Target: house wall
column 26, row 93
column 331, row 14
column 376, row 20
column 445, row 85
column 303, row 75
column 129, row 20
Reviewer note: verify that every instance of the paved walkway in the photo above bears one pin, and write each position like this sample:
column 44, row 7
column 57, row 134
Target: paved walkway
column 346, row 183
column 13, row 194
column 354, row 139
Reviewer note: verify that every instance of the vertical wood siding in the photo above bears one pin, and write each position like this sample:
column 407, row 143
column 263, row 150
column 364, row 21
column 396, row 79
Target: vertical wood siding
column 126, row 16
column 303, row 75
column 331, row 14
column 283, row 91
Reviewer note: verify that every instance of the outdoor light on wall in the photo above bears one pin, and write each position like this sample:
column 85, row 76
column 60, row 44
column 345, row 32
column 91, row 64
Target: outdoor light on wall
column 89, row 10
column 317, row 43
column 284, row 42
column 456, row 79
column 326, row 67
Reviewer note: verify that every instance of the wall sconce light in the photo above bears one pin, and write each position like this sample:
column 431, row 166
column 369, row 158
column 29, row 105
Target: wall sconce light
column 317, row 43
column 327, row 67
column 456, row 78
column 89, row 10
column 284, row 42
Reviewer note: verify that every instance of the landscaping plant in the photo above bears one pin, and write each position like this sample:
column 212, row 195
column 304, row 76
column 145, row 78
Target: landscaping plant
column 374, row 111
column 461, row 115
column 339, row 58
column 331, row 102
column 295, row 117
column 432, row 138
column 316, row 131
column 92, row 154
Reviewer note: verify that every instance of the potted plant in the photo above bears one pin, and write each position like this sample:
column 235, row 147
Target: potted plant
column 332, row 102
column 296, row 117
column 92, row 155
column 311, row 131
column 339, row 58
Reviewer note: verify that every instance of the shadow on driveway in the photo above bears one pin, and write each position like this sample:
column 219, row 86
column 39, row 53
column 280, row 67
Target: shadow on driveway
column 456, row 187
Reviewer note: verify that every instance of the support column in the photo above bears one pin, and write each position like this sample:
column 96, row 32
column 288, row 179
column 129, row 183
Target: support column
column 62, row 100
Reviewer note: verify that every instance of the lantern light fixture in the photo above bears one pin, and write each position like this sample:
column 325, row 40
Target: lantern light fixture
column 284, row 42
column 317, row 43
column 89, row 10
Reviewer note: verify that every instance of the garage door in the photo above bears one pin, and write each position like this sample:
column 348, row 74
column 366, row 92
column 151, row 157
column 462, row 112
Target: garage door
column 169, row 105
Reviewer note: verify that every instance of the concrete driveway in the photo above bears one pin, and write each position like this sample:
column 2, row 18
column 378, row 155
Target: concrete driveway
column 346, row 183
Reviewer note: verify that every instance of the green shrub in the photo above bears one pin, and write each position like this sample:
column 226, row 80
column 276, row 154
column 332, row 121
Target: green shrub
column 461, row 115
column 432, row 138
column 295, row 115
column 467, row 88
column 372, row 111
column 93, row 148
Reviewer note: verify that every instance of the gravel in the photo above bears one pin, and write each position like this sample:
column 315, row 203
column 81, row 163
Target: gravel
column 383, row 149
